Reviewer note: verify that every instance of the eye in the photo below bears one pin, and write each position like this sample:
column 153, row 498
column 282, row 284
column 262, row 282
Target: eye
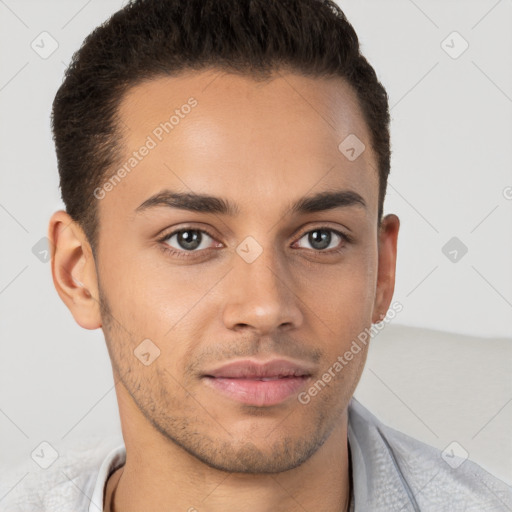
column 186, row 240
column 325, row 238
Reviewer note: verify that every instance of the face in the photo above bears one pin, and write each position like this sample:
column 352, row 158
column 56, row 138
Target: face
column 239, row 256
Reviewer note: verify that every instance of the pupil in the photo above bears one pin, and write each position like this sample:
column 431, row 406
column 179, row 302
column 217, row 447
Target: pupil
column 320, row 242
column 190, row 239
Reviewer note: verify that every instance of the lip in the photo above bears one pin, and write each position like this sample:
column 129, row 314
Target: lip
column 259, row 383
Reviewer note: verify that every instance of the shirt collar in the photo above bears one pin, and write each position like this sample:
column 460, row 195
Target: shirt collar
column 113, row 461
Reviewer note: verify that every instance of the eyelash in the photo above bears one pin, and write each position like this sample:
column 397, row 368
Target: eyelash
column 189, row 254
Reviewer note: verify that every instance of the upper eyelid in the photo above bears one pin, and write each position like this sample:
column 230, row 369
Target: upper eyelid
column 168, row 235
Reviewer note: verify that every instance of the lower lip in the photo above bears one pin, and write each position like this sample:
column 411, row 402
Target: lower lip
column 257, row 392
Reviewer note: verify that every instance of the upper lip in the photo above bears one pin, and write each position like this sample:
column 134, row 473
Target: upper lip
column 254, row 369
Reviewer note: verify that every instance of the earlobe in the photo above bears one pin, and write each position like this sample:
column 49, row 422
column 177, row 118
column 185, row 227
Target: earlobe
column 74, row 270
column 388, row 238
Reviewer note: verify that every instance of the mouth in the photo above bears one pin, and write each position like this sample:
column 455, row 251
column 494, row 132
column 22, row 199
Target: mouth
column 259, row 384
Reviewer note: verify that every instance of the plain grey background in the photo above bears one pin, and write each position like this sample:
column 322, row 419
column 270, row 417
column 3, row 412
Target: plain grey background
column 446, row 67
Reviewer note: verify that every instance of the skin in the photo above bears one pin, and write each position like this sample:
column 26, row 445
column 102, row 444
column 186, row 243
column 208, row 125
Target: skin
column 262, row 146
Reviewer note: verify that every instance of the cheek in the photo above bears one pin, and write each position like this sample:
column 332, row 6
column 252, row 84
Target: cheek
column 147, row 293
column 343, row 296
column 341, row 306
column 168, row 305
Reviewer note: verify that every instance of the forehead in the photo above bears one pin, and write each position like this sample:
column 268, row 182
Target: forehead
column 225, row 134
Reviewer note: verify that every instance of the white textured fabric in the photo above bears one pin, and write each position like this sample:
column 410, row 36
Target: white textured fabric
column 390, row 470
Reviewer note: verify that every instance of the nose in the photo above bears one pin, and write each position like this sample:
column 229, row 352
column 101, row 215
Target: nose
column 260, row 296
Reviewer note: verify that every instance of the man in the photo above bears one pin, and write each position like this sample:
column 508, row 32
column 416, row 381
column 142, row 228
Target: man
column 224, row 165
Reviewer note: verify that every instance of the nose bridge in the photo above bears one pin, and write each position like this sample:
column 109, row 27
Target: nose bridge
column 260, row 293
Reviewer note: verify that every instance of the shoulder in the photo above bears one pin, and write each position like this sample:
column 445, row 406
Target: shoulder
column 427, row 478
column 67, row 484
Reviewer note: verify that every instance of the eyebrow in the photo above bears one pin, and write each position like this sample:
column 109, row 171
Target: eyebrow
column 203, row 203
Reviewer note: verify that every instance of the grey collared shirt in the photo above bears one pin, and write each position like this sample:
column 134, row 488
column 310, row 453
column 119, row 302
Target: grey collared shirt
column 392, row 471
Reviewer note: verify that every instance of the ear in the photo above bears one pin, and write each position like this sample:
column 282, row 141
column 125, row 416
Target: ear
column 388, row 236
column 74, row 270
